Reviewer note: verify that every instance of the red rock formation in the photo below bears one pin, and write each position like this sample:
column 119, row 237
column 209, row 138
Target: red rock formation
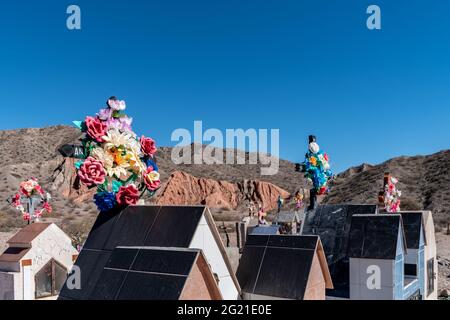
column 185, row 189
column 66, row 183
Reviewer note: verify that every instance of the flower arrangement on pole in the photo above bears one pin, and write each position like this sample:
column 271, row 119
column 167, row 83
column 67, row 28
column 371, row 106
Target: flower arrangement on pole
column 31, row 200
column 115, row 160
column 316, row 167
column 389, row 196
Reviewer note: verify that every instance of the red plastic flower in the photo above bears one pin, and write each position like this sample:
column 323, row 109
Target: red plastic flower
column 16, row 200
column 148, row 146
column 322, row 191
column 96, row 128
column 325, row 156
column 92, row 172
column 128, row 195
column 151, row 179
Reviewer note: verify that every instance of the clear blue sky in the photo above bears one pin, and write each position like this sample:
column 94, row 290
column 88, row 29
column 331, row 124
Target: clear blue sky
column 300, row 66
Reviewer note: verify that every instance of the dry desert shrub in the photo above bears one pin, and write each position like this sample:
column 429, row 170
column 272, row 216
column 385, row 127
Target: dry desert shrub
column 77, row 230
column 9, row 221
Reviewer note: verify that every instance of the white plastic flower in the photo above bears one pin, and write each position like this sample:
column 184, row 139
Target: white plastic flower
column 115, row 138
column 314, row 147
column 136, row 165
column 119, row 171
column 101, row 155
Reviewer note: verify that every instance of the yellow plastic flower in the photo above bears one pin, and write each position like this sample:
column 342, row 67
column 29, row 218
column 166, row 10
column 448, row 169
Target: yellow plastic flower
column 135, row 163
column 313, row 161
column 101, row 155
column 152, row 176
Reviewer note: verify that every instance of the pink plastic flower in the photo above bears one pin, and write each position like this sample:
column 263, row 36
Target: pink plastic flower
column 96, row 129
column 105, row 114
column 27, row 187
column 47, row 207
column 128, row 195
column 121, row 124
column 148, row 146
column 92, row 172
column 118, row 105
column 151, row 179
column 38, row 213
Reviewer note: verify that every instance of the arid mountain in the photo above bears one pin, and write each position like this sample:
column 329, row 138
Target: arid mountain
column 423, row 180
column 34, row 152
column 183, row 188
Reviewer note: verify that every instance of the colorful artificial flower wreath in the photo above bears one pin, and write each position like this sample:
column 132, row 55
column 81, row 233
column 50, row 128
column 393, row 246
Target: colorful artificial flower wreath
column 389, row 197
column 317, row 168
column 33, row 196
column 115, row 161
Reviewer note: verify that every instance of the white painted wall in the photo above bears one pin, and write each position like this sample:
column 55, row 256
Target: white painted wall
column 359, row 276
column 52, row 243
column 430, row 252
column 28, row 284
column 203, row 239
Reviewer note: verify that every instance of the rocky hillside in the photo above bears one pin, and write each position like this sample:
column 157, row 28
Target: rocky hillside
column 183, row 188
column 423, row 180
column 33, row 152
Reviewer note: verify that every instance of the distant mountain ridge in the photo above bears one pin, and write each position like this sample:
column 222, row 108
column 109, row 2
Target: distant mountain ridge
column 424, row 180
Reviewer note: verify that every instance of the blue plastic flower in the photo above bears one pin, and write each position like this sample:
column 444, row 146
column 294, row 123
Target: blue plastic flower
column 150, row 163
column 105, row 201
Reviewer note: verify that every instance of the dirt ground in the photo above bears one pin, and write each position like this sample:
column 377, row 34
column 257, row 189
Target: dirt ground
column 5, row 236
column 443, row 253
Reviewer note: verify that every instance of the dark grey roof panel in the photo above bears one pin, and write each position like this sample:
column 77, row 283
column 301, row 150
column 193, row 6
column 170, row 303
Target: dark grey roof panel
column 132, row 226
column 142, row 286
column 413, row 225
column 284, row 273
column 99, row 234
column 276, row 266
column 374, row 236
column 165, row 269
column 108, row 285
column 332, row 224
column 257, row 240
column 293, row 241
column 174, row 227
column 135, row 226
column 122, row 258
column 165, row 261
column 249, row 264
column 91, row 265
